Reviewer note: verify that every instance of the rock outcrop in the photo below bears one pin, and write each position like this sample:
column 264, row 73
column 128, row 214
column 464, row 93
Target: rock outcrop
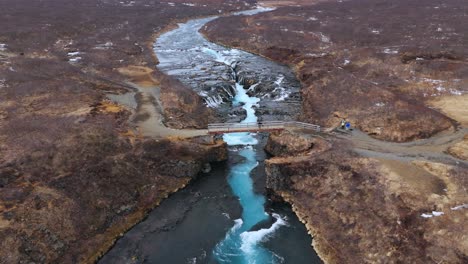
column 363, row 210
column 74, row 173
column 69, row 204
column 379, row 77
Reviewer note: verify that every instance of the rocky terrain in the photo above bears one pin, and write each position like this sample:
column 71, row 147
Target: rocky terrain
column 381, row 76
column 85, row 115
column 397, row 70
column 75, row 168
column 371, row 210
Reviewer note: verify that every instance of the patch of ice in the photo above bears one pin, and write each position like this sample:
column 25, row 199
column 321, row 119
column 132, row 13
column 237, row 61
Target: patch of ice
column 375, row 31
column 380, row 104
column 312, row 18
column 346, row 62
column 3, row 46
column 439, row 29
column 419, row 59
column 188, row 4
column 427, row 215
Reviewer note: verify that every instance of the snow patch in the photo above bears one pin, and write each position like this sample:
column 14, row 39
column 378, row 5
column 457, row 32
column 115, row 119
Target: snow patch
column 3, row 83
column 316, row 55
column 459, row 207
column 433, row 214
column 76, row 59
column 104, row 46
column 130, row 3
column 214, row 101
column 390, row 51
column 73, row 56
column 323, row 38
column 3, row 46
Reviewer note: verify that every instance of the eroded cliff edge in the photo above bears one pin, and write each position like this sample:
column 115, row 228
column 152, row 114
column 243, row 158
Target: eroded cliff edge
column 80, row 160
column 370, row 210
column 382, row 77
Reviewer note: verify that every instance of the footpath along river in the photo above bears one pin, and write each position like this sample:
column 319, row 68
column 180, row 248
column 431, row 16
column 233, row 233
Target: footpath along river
column 221, row 217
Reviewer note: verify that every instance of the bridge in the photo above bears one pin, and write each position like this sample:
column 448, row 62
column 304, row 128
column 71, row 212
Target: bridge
column 265, row 126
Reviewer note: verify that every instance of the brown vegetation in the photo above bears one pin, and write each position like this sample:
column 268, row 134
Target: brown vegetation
column 353, row 64
column 74, row 174
column 362, row 210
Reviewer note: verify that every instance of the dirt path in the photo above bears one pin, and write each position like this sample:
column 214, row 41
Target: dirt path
column 149, row 119
column 431, row 149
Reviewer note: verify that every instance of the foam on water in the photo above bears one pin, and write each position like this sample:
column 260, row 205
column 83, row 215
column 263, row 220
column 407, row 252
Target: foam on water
column 251, row 239
column 240, row 244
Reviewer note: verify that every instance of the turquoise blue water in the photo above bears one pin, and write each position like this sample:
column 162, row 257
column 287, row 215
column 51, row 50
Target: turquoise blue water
column 240, row 245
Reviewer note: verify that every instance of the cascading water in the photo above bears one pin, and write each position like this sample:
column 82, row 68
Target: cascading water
column 194, row 225
column 203, row 65
column 240, row 244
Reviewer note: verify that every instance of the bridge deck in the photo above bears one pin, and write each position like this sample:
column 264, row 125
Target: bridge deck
column 267, row 126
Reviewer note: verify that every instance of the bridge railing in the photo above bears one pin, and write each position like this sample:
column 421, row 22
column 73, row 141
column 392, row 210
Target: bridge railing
column 303, row 125
column 258, row 126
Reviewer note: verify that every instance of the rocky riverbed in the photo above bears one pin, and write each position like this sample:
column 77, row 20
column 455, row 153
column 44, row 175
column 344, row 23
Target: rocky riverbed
column 382, row 77
column 365, row 200
column 81, row 160
column 75, row 170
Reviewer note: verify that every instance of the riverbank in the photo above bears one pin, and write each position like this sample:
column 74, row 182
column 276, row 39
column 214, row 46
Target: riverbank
column 74, row 174
column 400, row 207
column 193, row 220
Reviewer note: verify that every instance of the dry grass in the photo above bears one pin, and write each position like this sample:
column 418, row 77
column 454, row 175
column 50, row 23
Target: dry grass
column 455, row 107
column 139, row 75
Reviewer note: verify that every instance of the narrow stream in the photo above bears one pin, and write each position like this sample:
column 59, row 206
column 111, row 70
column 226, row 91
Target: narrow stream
column 242, row 245
column 204, row 223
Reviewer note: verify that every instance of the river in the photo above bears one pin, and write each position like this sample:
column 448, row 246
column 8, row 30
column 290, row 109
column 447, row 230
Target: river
column 221, row 218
